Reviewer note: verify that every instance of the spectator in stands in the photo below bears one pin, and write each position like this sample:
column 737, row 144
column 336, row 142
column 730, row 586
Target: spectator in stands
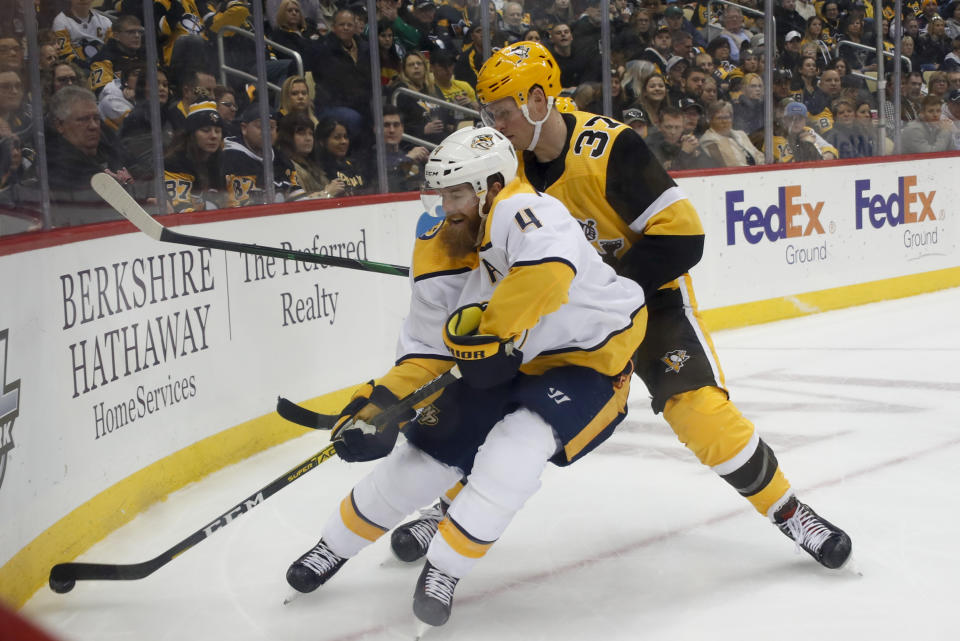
column 545, row 15
column 748, row 109
column 135, row 130
column 794, row 141
column 866, row 118
column 676, row 67
column 728, row 147
column 734, row 31
column 11, row 53
column 790, row 56
column 471, row 58
column 952, row 23
column 47, row 57
column 693, row 122
column 405, row 35
column 341, row 73
column 422, row 16
column 586, row 30
column 122, row 51
column 814, row 34
column 675, row 20
column 659, row 50
column 426, row 120
column 404, row 161
column 782, row 84
column 243, row 162
column 638, row 120
column 116, row 98
column 331, row 150
column 635, row 73
column 951, row 109
column 851, row 30
column 227, row 107
column 847, row 134
column 453, row 17
column 928, row 133
column 787, row 19
column 830, row 10
column 193, row 173
column 908, row 51
column 934, row 45
column 653, row 97
column 14, row 108
column 750, row 61
column 391, row 51
column 290, row 29
column 951, row 62
column 81, row 31
column 673, row 148
column 635, row 37
column 576, row 65
column 195, row 84
column 326, row 14
column 61, row 74
column 818, row 105
column 295, row 140
column 805, row 79
column 928, row 9
column 693, row 81
column 453, row 90
column 937, row 84
column 11, row 165
column 705, row 61
column 512, row 24
column 78, row 149
column 710, row 93
column 295, row 97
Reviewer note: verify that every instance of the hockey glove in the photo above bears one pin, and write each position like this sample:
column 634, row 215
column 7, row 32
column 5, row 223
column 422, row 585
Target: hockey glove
column 484, row 360
column 354, row 437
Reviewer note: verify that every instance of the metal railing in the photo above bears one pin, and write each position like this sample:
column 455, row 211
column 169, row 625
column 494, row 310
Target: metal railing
column 226, row 70
column 873, row 50
column 768, row 43
column 404, row 91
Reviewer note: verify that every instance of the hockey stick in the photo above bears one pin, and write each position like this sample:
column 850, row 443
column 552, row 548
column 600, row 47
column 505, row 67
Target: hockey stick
column 118, row 198
column 308, row 418
column 63, row 576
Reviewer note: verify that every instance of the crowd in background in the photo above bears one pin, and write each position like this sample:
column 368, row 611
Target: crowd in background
column 686, row 75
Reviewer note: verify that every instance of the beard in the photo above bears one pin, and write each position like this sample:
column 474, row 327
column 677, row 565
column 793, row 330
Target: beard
column 460, row 240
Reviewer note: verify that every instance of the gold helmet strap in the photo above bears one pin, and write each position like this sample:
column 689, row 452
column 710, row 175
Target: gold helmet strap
column 537, row 124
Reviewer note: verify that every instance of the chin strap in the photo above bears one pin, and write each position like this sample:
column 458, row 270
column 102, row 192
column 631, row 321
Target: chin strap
column 537, row 124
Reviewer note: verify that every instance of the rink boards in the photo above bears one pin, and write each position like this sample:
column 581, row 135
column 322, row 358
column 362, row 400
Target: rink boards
column 132, row 367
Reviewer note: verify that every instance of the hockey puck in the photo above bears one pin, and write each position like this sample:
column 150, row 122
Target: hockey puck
column 61, row 586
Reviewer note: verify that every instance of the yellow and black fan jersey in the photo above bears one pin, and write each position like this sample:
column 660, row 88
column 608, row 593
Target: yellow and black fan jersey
column 819, row 114
column 80, row 39
column 628, row 206
column 243, row 170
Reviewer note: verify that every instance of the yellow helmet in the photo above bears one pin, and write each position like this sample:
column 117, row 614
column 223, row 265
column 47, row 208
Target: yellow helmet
column 513, row 70
column 565, row 104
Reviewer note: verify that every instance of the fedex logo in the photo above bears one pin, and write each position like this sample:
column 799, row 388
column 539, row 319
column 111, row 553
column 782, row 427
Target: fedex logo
column 789, row 217
column 906, row 200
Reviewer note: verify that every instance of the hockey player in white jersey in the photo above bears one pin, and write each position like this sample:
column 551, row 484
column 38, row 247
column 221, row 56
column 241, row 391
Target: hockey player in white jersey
column 508, row 289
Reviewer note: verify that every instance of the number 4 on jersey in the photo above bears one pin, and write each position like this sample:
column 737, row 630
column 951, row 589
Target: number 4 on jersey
column 525, row 218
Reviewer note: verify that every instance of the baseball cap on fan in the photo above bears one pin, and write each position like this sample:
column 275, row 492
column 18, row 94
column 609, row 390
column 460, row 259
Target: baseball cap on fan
column 954, row 96
column 635, row 114
column 794, row 35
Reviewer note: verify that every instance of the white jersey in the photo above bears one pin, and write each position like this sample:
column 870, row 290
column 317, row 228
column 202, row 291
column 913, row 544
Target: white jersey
column 81, row 38
column 544, row 284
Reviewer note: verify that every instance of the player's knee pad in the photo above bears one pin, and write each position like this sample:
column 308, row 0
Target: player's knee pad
column 709, row 425
column 505, row 474
column 404, row 481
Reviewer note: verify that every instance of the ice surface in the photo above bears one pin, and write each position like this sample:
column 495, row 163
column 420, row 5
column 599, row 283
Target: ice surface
column 636, row 541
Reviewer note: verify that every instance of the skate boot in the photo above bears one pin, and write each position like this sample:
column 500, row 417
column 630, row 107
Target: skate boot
column 433, row 598
column 411, row 540
column 314, row 568
column 820, row 538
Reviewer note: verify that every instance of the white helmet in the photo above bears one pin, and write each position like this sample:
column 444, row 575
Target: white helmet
column 471, row 155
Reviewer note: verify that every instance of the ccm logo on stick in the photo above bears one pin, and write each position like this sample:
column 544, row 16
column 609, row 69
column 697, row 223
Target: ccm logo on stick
column 787, row 218
column 880, row 210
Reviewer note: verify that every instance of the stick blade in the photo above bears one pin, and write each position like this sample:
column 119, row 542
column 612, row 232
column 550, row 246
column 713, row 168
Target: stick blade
column 118, row 198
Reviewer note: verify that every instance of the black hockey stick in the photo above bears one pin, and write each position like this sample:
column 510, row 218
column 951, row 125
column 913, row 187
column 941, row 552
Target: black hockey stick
column 118, row 198
column 63, row 576
column 308, row 418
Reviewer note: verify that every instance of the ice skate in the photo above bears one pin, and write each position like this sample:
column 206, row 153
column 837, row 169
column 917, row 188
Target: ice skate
column 314, row 568
column 433, row 598
column 410, row 541
column 820, row 538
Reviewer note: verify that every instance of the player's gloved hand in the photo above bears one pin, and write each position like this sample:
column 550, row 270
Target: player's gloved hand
column 484, row 360
column 355, row 437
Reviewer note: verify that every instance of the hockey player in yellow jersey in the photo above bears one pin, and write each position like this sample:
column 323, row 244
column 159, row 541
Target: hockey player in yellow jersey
column 642, row 224
column 507, row 288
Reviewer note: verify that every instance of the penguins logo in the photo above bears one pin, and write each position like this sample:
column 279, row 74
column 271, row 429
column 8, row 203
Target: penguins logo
column 674, row 360
column 9, row 406
column 522, row 52
column 483, row 141
column 428, row 416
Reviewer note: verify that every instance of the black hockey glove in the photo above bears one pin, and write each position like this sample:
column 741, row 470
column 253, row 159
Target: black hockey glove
column 484, row 360
column 357, row 440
